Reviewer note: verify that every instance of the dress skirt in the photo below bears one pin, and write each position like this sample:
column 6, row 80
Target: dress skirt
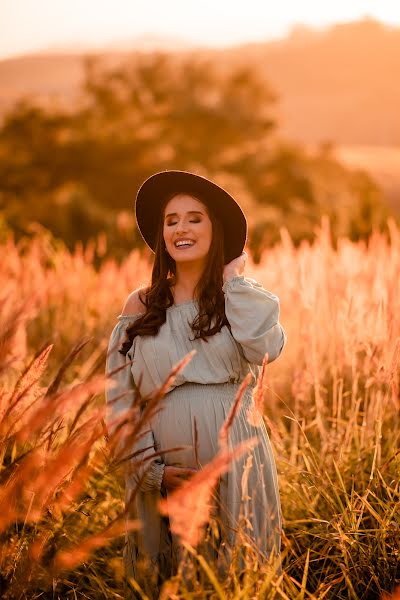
column 247, row 506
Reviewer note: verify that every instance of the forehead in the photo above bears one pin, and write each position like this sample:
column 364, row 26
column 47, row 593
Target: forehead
column 182, row 203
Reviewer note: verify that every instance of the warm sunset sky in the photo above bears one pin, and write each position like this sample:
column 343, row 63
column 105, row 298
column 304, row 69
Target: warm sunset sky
column 27, row 25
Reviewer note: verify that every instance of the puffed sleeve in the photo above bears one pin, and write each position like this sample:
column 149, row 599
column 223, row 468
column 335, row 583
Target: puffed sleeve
column 123, row 392
column 253, row 314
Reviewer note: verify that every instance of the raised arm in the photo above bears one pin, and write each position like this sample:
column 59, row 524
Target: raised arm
column 253, row 314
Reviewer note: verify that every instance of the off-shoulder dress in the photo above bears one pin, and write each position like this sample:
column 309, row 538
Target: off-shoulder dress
column 203, row 392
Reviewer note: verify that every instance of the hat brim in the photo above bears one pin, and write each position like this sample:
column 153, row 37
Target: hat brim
column 156, row 188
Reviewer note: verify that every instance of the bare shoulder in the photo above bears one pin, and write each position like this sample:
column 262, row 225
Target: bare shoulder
column 133, row 304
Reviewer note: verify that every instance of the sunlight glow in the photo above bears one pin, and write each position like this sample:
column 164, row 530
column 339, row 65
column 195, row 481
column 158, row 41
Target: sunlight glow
column 27, row 25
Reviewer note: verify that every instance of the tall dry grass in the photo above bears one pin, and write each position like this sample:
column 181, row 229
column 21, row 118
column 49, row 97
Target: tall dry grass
column 331, row 403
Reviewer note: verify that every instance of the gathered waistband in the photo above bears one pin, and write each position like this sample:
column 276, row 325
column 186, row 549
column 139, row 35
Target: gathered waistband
column 225, row 390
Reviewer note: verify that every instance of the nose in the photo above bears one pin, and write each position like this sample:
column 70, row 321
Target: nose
column 181, row 227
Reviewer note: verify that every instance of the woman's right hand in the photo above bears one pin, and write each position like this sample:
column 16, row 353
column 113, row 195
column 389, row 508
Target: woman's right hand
column 174, row 476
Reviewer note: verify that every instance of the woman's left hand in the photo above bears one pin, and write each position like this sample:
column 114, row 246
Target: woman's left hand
column 235, row 267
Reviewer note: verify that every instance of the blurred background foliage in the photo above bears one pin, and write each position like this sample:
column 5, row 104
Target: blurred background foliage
column 75, row 170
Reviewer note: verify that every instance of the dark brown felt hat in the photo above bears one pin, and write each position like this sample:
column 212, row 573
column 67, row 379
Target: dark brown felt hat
column 156, row 188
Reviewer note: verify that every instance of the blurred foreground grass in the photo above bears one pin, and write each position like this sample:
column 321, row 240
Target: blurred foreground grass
column 332, row 405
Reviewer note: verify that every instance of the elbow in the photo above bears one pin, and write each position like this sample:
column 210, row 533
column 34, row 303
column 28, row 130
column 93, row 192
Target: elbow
column 280, row 344
column 272, row 343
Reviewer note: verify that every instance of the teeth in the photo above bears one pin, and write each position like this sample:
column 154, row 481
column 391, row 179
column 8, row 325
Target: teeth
column 184, row 243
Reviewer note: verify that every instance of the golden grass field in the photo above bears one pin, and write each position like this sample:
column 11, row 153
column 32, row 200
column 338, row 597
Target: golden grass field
column 331, row 405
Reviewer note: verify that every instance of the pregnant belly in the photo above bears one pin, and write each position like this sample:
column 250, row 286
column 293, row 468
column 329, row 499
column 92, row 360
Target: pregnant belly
column 194, row 406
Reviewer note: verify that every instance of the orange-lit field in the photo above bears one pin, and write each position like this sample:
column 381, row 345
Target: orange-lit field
column 331, row 405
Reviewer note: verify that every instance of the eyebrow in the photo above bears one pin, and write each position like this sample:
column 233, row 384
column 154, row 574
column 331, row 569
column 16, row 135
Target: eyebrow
column 190, row 212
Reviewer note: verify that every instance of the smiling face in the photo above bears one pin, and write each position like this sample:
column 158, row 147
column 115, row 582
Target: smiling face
column 187, row 229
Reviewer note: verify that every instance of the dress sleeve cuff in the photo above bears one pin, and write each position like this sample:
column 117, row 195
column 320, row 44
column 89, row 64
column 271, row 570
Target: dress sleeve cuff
column 233, row 281
column 155, row 475
column 152, row 479
column 241, row 280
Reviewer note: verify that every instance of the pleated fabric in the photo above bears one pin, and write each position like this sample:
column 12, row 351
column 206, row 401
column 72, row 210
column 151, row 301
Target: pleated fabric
column 206, row 408
column 202, row 393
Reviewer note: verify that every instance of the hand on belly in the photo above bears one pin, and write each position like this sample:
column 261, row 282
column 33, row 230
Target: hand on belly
column 174, row 476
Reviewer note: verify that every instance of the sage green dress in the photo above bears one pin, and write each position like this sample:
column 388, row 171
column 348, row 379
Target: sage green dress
column 203, row 391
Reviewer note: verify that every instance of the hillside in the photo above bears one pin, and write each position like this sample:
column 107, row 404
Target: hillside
column 339, row 85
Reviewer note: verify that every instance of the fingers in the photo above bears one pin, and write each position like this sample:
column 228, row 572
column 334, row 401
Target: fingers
column 182, row 470
column 185, row 473
column 174, row 476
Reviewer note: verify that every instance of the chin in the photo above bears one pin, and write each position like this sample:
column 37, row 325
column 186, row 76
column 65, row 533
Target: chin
column 196, row 258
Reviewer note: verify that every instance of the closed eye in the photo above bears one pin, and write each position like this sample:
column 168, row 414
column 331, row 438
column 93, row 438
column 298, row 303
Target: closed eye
column 174, row 223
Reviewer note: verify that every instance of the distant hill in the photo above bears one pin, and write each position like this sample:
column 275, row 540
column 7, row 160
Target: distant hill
column 44, row 76
column 339, row 85
column 383, row 163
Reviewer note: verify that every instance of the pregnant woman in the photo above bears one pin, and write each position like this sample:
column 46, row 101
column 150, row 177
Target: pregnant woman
column 199, row 299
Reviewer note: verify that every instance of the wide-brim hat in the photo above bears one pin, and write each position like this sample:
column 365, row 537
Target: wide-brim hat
column 155, row 190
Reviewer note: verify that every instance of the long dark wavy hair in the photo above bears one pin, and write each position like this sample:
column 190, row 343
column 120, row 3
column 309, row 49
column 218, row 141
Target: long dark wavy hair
column 208, row 291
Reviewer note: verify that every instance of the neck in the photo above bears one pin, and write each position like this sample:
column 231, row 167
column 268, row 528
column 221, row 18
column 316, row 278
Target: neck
column 186, row 278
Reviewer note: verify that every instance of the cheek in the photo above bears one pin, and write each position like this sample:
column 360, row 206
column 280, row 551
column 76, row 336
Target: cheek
column 166, row 234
